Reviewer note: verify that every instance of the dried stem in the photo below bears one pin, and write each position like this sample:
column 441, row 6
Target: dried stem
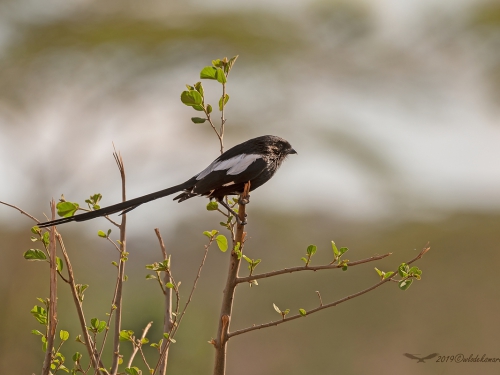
column 21, row 211
column 167, row 318
column 220, row 342
column 308, row 268
column 325, row 306
column 51, row 332
column 121, row 271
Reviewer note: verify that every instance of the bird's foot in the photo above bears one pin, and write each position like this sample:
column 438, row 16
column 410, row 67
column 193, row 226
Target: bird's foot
column 244, row 201
column 244, row 222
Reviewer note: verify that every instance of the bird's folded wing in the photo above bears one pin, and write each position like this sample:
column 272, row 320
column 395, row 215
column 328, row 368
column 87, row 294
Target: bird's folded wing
column 239, row 169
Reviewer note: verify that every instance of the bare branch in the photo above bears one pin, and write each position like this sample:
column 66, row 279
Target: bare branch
column 21, row 211
column 121, row 269
column 51, row 332
column 137, row 345
column 308, row 268
column 168, row 323
column 328, row 305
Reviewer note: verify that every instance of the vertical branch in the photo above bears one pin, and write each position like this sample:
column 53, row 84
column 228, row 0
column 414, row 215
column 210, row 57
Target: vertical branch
column 222, row 120
column 51, row 332
column 167, row 318
column 121, row 271
column 89, row 343
column 220, row 342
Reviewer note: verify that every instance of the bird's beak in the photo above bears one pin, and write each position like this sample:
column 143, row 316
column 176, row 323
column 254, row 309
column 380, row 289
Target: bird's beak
column 292, row 151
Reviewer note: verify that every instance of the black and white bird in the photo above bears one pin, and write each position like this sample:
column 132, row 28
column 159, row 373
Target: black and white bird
column 254, row 161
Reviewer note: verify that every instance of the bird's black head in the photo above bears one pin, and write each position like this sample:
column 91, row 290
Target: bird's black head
column 277, row 146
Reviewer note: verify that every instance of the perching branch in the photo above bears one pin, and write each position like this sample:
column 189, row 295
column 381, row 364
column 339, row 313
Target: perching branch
column 51, row 332
column 138, row 345
column 121, row 271
column 220, row 342
column 308, row 268
column 328, row 305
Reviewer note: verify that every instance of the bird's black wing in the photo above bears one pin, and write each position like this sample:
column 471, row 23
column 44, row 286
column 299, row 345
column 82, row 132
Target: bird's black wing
column 233, row 171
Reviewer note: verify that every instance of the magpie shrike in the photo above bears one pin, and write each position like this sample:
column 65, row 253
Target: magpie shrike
column 254, row 161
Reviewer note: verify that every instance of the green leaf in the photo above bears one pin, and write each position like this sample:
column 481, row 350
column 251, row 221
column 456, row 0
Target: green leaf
column 59, row 264
column 209, row 108
column 76, row 357
column 304, row 260
column 35, row 230
column 46, row 238
column 344, row 267
column 231, row 62
column 302, row 312
column 36, row 332
column 63, row 335
column 222, row 242
column 277, row 309
column 286, row 312
column 212, row 206
column 217, row 63
column 166, row 335
column 342, row 250
column 169, row 285
column 151, row 277
column 405, row 284
column 221, row 77
column 335, row 250
column 198, row 86
column 191, row 98
column 208, row 72
column 126, row 335
column 198, row 120
column 133, row 371
column 101, row 234
column 311, row 250
column 226, row 99
column 40, row 314
column 94, row 322
column 67, row 209
column 34, row 254
column 208, row 234
column 247, row 259
column 172, row 341
column 198, row 107
column 144, row 340
column 388, row 275
column 102, row 326
column 403, row 270
column 380, row 273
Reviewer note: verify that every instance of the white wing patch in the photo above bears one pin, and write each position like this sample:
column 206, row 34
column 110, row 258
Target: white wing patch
column 234, row 166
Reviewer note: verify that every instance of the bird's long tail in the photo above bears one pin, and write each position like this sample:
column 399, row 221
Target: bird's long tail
column 123, row 206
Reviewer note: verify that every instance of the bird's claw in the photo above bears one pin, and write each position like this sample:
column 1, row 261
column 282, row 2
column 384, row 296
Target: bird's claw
column 244, row 201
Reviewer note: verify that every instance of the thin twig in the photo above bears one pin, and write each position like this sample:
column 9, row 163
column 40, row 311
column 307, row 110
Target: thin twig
column 121, row 273
column 176, row 326
column 309, row 268
column 51, row 332
column 138, row 345
column 328, row 305
column 167, row 317
column 21, row 211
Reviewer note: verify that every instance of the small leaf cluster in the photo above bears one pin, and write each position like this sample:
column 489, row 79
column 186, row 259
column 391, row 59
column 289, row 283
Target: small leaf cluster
column 408, row 274
column 194, row 96
column 103, row 234
column 97, row 326
column 282, row 313
column 337, row 255
column 41, row 315
column 220, row 239
column 311, row 250
column 93, row 201
column 252, row 263
column 39, row 255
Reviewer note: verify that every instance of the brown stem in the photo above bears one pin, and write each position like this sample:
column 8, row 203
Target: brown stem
column 51, row 332
column 309, row 268
column 137, row 345
column 89, row 344
column 220, row 342
column 167, row 318
column 121, row 273
column 325, row 306
column 21, row 211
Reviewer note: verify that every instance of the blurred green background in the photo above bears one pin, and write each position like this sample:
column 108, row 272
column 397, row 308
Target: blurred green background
column 393, row 108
